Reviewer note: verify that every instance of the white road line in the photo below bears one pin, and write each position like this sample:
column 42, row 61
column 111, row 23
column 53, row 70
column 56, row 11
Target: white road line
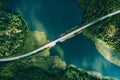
column 61, row 39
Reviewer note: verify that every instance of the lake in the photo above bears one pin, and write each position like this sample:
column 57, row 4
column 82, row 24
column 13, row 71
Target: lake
column 55, row 17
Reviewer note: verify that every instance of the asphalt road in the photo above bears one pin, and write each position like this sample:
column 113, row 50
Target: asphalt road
column 61, row 39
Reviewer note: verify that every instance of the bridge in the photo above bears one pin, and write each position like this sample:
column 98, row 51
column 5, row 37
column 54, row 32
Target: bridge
column 61, row 39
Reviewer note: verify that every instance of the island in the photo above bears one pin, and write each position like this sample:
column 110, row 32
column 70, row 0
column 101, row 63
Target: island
column 15, row 37
column 13, row 32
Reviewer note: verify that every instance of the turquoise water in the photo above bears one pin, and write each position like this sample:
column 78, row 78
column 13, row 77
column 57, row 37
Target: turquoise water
column 55, row 17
